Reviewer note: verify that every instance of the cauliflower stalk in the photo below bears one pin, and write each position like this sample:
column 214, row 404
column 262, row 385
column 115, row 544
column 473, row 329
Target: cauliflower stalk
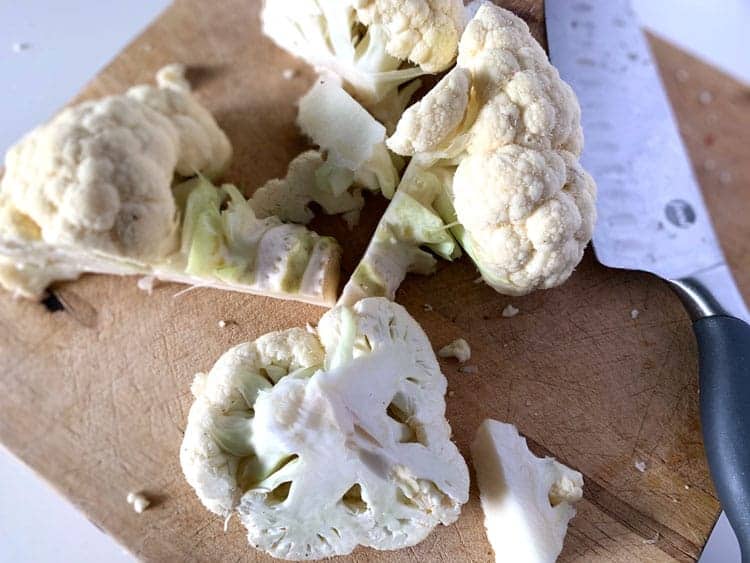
column 503, row 132
column 94, row 190
column 527, row 501
column 322, row 441
column 373, row 46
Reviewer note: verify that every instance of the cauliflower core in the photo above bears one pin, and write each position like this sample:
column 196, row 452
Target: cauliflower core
column 527, row 501
column 373, row 46
column 93, row 191
column 505, row 130
column 325, row 441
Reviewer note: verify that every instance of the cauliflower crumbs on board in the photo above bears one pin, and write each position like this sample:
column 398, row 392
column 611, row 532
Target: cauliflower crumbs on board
column 510, row 311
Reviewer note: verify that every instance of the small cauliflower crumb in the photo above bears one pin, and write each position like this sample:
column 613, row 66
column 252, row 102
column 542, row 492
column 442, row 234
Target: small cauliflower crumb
column 634, row 314
column 288, row 73
column 682, row 75
column 640, row 466
column 139, row 501
column 469, row 369
column 705, row 97
column 458, row 349
column 222, row 323
column 687, row 487
column 147, row 284
column 510, row 311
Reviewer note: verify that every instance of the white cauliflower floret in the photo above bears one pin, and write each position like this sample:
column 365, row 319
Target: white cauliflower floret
column 306, row 182
column 374, row 46
column 505, row 130
column 321, row 450
column 527, row 501
column 94, row 190
column 458, row 349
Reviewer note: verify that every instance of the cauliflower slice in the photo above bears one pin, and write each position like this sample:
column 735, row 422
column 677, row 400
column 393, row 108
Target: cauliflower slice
column 505, row 130
column 374, row 46
column 322, row 442
column 92, row 191
column 410, row 231
column 527, row 501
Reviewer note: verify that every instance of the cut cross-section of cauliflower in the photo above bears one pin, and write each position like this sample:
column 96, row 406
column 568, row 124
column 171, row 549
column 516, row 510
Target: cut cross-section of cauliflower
column 322, row 442
column 505, row 131
column 98, row 189
column 373, row 46
column 527, row 501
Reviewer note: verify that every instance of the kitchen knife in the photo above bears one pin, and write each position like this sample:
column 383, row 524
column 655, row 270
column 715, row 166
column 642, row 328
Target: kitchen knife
column 652, row 218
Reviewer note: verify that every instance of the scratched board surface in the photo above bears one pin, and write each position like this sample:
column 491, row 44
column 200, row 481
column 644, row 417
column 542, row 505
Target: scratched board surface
column 95, row 397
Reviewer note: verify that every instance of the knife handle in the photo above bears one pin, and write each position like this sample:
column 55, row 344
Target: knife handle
column 724, row 367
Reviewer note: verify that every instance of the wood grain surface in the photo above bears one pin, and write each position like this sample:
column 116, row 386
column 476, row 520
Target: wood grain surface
column 95, row 397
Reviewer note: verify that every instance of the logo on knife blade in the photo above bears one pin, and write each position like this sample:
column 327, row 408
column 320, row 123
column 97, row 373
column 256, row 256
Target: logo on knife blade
column 680, row 213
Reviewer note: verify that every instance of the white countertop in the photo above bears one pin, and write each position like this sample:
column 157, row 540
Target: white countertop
column 49, row 50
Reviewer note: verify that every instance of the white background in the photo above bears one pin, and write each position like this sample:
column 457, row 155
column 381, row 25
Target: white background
column 49, row 49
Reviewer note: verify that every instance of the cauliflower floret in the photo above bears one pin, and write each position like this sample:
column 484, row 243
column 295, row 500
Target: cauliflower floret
column 95, row 190
column 374, row 46
column 339, row 442
column 505, row 131
column 307, row 182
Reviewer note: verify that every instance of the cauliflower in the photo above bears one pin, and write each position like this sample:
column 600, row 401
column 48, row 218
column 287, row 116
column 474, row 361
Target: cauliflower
column 527, row 501
column 374, row 46
column 458, row 349
column 355, row 157
column 92, row 191
column 353, row 140
column 411, row 225
column 322, row 441
column 308, row 181
column 504, row 130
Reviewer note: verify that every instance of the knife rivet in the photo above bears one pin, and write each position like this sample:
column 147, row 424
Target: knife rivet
column 680, row 213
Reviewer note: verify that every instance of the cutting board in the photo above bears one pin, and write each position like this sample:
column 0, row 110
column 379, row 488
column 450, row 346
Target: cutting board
column 95, row 397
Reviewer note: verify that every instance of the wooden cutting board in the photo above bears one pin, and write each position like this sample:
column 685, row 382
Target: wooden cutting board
column 95, row 397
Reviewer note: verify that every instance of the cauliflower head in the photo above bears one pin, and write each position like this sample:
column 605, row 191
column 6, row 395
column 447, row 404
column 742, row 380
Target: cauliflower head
column 373, row 46
column 506, row 131
column 325, row 441
column 527, row 501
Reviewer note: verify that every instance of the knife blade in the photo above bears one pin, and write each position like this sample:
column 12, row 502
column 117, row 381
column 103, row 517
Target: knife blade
column 652, row 218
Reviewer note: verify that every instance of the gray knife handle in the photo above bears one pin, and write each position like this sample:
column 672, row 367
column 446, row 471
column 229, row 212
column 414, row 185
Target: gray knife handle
column 724, row 371
column 724, row 360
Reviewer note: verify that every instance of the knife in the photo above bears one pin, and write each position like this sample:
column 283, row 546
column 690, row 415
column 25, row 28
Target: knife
column 652, row 218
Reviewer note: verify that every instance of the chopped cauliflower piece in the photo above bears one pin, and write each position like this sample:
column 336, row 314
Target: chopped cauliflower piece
column 374, row 46
column 410, row 226
column 322, row 442
column 99, row 189
column 510, row 311
column 139, row 501
column 353, row 140
column 527, row 501
column 505, row 131
column 458, row 349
